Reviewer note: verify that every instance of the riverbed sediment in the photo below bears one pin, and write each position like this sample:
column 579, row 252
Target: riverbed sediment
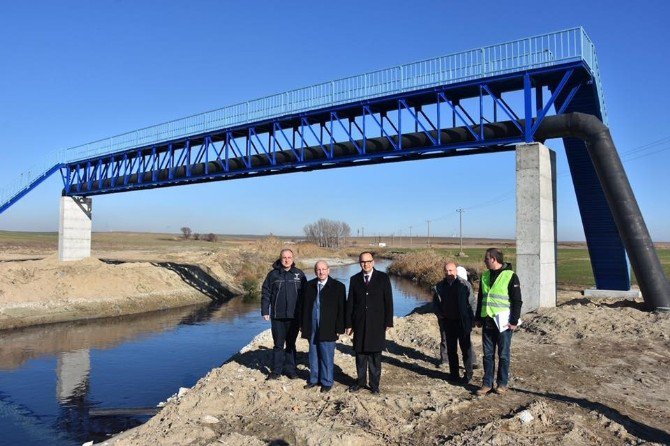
column 586, row 372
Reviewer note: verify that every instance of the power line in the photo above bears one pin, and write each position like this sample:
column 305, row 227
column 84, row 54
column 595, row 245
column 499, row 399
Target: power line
column 632, row 154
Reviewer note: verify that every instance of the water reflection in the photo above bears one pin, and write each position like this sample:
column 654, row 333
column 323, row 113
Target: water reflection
column 21, row 345
column 130, row 361
column 52, row 376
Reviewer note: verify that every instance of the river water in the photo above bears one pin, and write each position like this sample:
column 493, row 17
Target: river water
column 54, row 378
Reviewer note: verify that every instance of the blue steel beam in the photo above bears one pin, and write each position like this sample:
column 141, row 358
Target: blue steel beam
column 33, row 184
column 145, row 167
column 528, row 54
column 318, row 127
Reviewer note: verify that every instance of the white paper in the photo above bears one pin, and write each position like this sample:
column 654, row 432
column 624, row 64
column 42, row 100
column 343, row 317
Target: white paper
column 502, row 319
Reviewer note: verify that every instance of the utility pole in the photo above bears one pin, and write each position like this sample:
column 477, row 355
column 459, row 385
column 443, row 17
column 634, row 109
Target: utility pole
column 428, row 221
column 460, row 217
column 410, row 236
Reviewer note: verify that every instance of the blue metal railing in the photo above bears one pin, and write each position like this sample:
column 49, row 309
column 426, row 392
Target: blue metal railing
column 518, row 55
column 529, row 53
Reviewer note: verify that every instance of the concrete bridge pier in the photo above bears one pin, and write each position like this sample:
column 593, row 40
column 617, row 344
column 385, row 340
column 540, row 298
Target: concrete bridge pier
column 536, row 225
column 74, row 229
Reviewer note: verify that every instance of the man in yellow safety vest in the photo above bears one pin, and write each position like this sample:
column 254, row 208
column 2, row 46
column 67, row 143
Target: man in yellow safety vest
column 498, row 311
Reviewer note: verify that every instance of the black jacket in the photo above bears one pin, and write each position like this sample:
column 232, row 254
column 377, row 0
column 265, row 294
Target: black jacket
column 332, row 300
column 514, row 291
column 369, row 311
column 281, row 292
column 460, row 289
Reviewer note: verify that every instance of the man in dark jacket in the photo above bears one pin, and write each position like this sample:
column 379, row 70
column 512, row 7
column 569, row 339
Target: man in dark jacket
column 369, row 315
column 321, row 322
column 498, row 310
column 279, row 303
column 454, row 317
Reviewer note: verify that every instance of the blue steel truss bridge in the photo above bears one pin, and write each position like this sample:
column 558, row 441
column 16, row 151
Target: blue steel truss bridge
column 483, row 100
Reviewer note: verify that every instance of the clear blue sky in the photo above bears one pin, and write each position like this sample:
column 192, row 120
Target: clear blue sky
column 78, row 71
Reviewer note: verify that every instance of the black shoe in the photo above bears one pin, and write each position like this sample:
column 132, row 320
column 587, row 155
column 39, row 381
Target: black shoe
column 375, row 391
column 354, row 388
column 325, row 389
column 272, row 377
column 309, row 385
column 291, row 375
column 454, row 378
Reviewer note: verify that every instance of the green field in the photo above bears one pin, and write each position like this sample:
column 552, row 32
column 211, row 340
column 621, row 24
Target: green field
column 574, row 265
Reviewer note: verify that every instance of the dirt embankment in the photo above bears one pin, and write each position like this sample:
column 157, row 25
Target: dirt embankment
column 44, row 291
column 583, row 373
column 38, row 289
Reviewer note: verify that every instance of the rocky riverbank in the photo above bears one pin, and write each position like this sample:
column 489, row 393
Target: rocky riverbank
column 586, row 372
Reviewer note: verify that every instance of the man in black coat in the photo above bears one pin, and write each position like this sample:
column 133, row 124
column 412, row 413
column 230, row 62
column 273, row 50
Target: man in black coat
column 451, row 304
column 279, row 304
column 321, row 322
column 369, row 315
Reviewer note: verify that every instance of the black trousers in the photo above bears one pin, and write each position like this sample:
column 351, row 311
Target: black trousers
column 372, row 362
column 454, row 335
column 284, row 332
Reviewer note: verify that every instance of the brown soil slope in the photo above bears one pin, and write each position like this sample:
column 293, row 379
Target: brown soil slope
column 44, row 291
column 584, row 373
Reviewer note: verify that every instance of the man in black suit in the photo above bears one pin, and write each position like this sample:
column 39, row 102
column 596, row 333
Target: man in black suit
column 321, row 322
column 369, row 315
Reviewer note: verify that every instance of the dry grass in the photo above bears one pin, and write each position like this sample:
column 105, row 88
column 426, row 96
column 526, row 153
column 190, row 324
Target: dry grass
column 426, row 266
column 254, row 262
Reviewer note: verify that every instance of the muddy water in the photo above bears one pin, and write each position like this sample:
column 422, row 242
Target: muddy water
column 56, row 379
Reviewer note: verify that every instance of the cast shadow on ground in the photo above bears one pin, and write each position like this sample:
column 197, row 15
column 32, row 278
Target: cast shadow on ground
column 426, row 308
column 623, row 303
column 261, row 359
column 400, row 350
column 21, row 260
column 193, row 276
column 408, row 352
column 636, row 428
column 429, row 372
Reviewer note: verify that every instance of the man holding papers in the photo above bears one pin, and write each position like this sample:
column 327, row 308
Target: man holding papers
column 498, row 310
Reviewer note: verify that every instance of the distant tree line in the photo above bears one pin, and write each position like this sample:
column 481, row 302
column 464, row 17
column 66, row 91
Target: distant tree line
column 327, row 233
column 187, row 233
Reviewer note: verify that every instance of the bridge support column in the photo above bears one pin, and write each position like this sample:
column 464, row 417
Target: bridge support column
column 72, row 375
column 74, row 229
column 536, row 225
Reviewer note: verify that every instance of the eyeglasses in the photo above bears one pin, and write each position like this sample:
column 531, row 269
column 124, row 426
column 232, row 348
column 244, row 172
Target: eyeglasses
column 366, row 261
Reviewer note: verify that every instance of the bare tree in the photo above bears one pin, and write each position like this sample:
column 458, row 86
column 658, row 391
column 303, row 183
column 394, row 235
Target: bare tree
column 211, row 237
column 327, row 233
column 186, row 232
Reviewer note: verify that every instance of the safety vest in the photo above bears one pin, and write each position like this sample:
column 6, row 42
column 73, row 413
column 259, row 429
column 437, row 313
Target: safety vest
column 496, row 297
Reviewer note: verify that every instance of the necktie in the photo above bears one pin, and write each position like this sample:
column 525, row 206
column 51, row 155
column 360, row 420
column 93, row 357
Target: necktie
column 367, row 278
column 318, row 288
